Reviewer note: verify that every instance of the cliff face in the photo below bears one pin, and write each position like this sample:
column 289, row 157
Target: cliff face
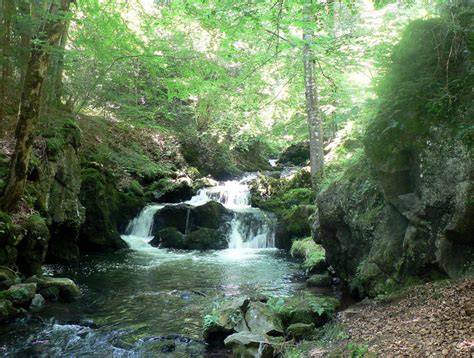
column 406, row 210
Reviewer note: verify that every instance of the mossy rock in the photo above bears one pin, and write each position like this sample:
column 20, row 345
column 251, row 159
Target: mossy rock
column 211, row 215
column 307, row 308
column 206, row 239
column 301, row 331
column 33, row 248
column 296, row 154
column 319, row 281
column 169, row 238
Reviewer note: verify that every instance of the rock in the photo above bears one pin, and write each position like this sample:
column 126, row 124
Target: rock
column 296, row 154
column 300, row 331
column 307, row 308
column 50, row 293
column 7, row 274
column 33, row 248
column 37, row 302
column 205, row 239
column 62, row 288
column 169, row 238
column 212, row 215
column 249, row 345
column 171, row 191
column 225, row 322
column 107, row 210
column 6, row 309
column 20, row 294
column 260, row 319
column 177, row 216
column 319, row 281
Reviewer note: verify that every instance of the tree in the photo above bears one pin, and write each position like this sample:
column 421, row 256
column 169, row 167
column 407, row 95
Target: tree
column 47, row 37
column 311, row 93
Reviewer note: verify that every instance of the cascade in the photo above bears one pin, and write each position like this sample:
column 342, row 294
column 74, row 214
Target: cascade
column 249, row 227
column 138, row 231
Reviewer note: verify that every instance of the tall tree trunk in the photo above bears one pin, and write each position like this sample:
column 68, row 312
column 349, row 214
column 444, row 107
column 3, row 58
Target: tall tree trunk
column 47, row 36
column 26, row 30
column 7, row 11
column 312, row 106
column 59, row 70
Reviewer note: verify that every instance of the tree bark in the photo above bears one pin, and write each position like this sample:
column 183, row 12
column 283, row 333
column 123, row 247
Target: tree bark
column 47, row 36
column 59, row 70
column 7, row 10
column 312, row 106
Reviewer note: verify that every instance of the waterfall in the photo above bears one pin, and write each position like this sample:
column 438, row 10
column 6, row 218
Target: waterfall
column 249, row 227
column 138, row 231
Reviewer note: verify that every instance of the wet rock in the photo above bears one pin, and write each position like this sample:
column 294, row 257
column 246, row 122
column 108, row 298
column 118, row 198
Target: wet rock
column 319, row 281
column 171, row 191
column 7, row 274
column 169, row 238
column 20, row 294
column 260, row 319
column 249, row 345
column 176, row 216
column 206, row 239
column 37, row 302
column 62, row 289
column 211, row 215
column 300, row 331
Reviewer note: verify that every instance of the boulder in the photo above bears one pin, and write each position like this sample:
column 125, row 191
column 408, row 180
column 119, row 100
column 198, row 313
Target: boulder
column 211, row 215
column 37, row 302
column 20, row 294
column 205, row 239
column 296, row 154
column 228, row 319
column 63, row 289
column 319, row 281
column 177, row 216
column 260, row 319
column 33, row 248
column 249, row 345
column 300, row 331
column 8, row 274
column 6, row 309
column 169, row 238
column 307, row 308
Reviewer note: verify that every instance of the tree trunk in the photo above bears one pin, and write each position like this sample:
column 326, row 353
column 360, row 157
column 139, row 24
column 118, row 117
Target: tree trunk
column 26, row 15
column 59, row 70
column 47, row 36
column 7, row 10
column 312, row 107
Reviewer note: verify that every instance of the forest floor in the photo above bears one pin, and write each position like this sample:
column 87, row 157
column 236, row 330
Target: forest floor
column 431, row 320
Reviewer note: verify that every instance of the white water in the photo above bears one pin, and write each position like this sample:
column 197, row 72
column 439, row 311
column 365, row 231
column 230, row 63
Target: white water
column 138, row 232
column 250, row 228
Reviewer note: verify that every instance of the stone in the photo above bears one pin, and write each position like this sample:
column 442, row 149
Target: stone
column 211, row 215
column 249, row 345
column 33, row 248
column 6, row 309
column 65, row 289
column 37, row 302
column 319, row 281
column 296, row 154
column 260, row 319
column 206, row 239
column 21, row 294
column 7, row 274
column 169, row 238
column 300, row 331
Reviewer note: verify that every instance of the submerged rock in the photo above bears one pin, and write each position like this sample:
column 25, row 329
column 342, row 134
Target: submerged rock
column 205, row 239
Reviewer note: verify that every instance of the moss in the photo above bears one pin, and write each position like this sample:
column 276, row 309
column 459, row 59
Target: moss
column 313, row 254
column 135, row 188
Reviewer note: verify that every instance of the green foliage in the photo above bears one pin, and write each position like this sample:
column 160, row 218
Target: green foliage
column 312, row 253
column 356, row 350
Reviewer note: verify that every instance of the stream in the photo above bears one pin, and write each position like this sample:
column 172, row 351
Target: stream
column 149, row 301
